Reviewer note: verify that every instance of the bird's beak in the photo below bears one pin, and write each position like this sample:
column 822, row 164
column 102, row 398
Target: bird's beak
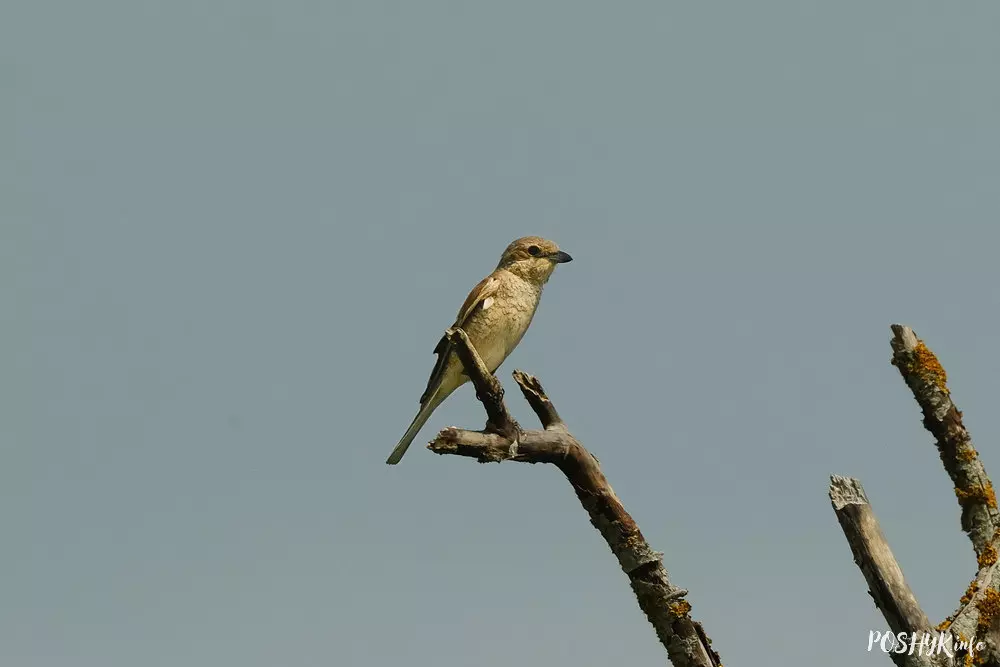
column 560, row 257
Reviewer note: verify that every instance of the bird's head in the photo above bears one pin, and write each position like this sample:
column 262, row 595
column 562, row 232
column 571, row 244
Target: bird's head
column 533, row 259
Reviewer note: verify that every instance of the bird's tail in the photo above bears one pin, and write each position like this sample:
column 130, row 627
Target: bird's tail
column 418, row 423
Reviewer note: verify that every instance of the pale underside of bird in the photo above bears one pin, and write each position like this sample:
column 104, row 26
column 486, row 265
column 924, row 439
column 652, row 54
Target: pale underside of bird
column 495, row 316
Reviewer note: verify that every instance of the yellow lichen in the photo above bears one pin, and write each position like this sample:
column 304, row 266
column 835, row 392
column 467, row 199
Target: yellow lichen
column 943, row 625
column 989, row 609
column 969, row 592
column 680, row 609
column 984, row 495
column 925, row 363
column 988, row 556
column 967, row 453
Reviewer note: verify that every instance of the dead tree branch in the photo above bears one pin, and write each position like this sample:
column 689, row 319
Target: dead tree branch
column 886, row 583
column 503, row 440
column 926, row 378
column 975, row 623
column 872, row 553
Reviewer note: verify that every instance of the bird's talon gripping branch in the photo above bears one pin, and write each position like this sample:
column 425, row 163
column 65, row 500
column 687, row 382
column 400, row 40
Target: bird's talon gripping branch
column 509, row 430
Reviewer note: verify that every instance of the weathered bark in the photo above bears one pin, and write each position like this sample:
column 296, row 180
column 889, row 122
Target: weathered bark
column 888, row 587
column 976, row 621
column 503, row 440
column 872, row 553
column 927, row 379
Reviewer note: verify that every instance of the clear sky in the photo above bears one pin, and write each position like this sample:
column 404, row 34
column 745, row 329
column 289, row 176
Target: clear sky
column 232, row 233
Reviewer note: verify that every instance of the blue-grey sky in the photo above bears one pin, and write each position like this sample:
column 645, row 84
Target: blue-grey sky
column 232, row 233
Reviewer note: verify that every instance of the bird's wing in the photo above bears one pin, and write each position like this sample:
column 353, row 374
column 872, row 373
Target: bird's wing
column 481, row 297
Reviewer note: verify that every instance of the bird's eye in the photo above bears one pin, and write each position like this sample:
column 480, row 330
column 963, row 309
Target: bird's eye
column 533, row 250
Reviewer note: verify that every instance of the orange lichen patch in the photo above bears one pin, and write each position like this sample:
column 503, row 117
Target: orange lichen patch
column 927, row 364
column 680, row 609
column 989, row 609
column 988, row 556
column 969, row 592
column 944, row 625
column 966, row 453
column 978, row 495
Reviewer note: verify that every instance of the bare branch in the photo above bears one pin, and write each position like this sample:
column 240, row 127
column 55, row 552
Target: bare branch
column 888, row 587
column 979, row 612
column 926, row 378
column 532, row 390
column 977, row 621
column 661, row 601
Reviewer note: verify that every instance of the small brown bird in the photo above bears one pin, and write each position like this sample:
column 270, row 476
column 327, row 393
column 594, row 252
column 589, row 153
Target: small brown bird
column 495, row 316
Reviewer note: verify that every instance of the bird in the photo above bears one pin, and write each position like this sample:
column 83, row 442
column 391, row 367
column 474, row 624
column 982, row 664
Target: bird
column 495, row 316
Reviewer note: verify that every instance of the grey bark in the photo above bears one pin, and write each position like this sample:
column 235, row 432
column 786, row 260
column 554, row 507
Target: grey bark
column 503, row 439
column 977, row 620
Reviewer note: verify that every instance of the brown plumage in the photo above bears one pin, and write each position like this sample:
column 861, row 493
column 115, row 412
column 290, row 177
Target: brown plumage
column 495, row 316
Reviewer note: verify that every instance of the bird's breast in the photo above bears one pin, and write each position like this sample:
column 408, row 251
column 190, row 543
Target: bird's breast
column 497, row 330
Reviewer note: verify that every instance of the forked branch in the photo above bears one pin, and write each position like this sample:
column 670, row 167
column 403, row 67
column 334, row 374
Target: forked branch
column 503, row 440
column 975, row 623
